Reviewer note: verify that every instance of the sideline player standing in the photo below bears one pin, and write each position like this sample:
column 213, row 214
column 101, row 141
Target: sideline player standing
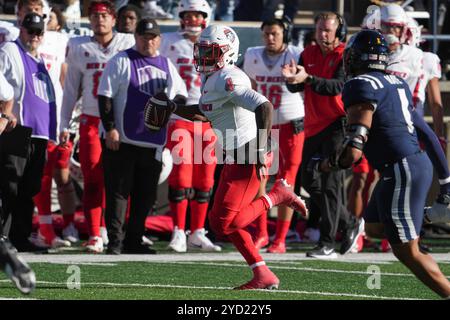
column 263, row 66
column 86, row 59
column 188, row 174
column 238, row 115
column 381, row 121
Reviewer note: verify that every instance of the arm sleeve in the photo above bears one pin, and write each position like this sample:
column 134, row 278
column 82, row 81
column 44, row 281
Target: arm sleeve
column 432, row 145
column 72, row 84
column 329, row 87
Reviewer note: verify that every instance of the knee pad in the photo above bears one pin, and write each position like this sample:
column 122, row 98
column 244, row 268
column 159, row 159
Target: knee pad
column 178, row 195
column 202, row 196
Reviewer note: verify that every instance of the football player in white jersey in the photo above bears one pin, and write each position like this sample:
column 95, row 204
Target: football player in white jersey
column 187, row 173
column 430, row 83
column 86, row 59
column 263, row 65
column 238, row 115
column 405, row 61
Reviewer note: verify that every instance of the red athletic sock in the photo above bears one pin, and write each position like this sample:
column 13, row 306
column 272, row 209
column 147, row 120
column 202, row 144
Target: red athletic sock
column 94, row 218
column 46, row 227
column 282, row 230
column 261, row 226
column 243, row 242
column 179, row 213
column 43, row 199
column 198, row 214
column 68, row 219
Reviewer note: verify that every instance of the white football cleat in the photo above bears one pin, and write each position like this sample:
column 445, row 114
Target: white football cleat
column 198, row 240
column 104, row 234
column 70, row 233
column 146, row 241
column 178, row 242
column 95, row 245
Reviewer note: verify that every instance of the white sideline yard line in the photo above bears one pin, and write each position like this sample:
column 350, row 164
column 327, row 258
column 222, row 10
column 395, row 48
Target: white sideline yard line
column 355, row 262
column 101, row 264
column 4, row 298
column 372, row 258
column 156, row 285
column 299, row 269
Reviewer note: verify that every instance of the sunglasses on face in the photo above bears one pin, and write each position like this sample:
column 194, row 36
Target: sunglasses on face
column 35, row 32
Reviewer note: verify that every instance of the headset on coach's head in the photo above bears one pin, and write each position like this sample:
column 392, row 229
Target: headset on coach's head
column 341, row 31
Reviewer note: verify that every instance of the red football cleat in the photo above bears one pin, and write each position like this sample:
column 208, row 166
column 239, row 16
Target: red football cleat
column 385, row 245
column 261, row 242
column 282, row 194
column 268, row 280
column 277, row 248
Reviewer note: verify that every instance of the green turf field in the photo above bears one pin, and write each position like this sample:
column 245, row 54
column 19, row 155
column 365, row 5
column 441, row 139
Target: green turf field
column 198, row 277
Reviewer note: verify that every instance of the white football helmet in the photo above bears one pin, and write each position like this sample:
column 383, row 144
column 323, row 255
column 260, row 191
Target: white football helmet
column 197, row 6
column 393, row 15
column 372, row 19
column 414, row 34
column 216, row 47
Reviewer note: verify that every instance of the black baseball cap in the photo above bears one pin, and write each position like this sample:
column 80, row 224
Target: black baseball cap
column 33, row 21
column 147, row 26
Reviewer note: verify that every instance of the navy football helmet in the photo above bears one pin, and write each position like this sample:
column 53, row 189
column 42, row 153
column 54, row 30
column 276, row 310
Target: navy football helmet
column 366, row 51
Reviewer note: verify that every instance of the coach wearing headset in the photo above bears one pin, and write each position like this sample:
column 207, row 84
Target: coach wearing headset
column 319, row 73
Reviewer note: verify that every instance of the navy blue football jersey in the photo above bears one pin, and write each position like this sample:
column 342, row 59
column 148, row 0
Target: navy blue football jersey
column 392, row 135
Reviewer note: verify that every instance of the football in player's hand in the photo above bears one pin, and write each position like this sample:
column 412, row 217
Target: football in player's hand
column 157, row 111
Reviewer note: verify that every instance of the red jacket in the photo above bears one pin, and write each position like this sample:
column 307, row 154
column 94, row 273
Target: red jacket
column 323, row 105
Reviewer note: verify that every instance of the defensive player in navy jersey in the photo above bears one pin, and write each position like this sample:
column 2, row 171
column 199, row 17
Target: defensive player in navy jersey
column 381, row 123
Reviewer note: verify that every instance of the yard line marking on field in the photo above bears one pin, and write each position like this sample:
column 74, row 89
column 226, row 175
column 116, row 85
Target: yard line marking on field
column 298, row 268
column 10, row 298
column 303, row 261
column 156, row 285
column 102, row 264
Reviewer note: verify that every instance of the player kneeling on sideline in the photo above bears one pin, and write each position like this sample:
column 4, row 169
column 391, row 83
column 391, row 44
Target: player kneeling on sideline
column 381, row 123
column 240, row 116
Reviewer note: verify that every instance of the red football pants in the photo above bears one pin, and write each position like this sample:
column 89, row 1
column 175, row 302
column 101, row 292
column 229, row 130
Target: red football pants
column 194, row 165
column 91, row 166
column 235, row 208
column 291, row 148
